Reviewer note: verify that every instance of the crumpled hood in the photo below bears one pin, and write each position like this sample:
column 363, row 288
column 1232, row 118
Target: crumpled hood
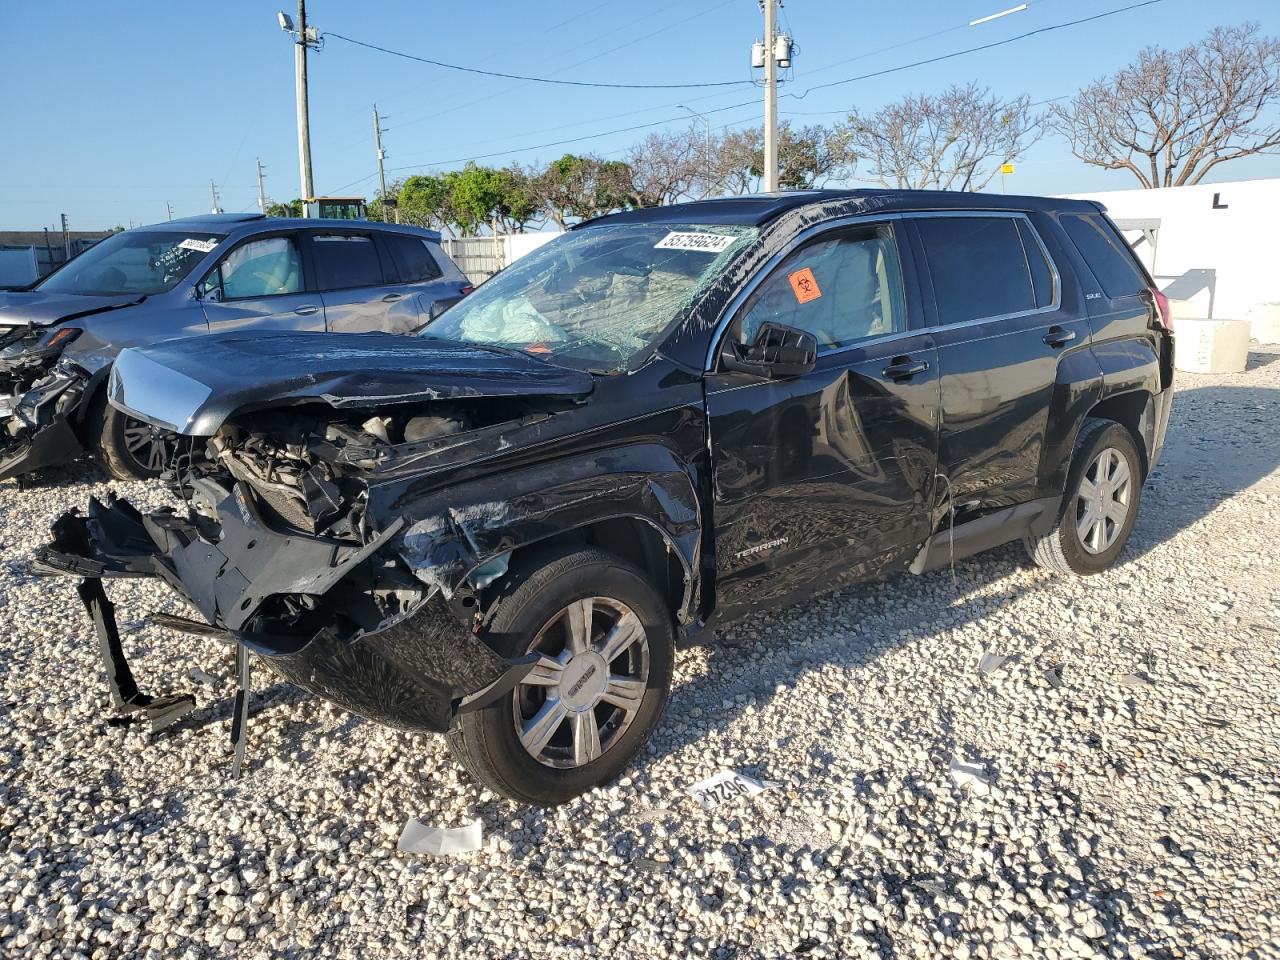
column 194, row 384
column 33, row 308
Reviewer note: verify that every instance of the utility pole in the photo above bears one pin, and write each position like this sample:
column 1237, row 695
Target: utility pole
column 213, row 192
column 382, row 155
column 169, row 209
column 66, row 238
column 262, row 193
column 304, row 119
column 770, row 97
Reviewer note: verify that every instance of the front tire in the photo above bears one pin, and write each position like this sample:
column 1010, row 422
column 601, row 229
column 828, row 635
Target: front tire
column 125, row 448
column 1100, row 506
column 607, row 650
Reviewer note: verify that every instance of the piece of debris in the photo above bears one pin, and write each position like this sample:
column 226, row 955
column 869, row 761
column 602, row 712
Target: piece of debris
column 991, row 662
column 1136, row 680
column 972, row 775
column 726, row 785
column 649, row 865
column 1054, row 676
column 1219, row 723
column 440, row 841
column 199, row 676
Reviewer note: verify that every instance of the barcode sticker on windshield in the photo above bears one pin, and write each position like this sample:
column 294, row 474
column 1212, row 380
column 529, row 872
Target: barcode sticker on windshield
column 203, row 246
column 704, row 242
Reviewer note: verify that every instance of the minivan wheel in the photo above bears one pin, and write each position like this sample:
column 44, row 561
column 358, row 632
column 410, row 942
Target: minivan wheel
column 125, row 448
column 1104, row 489
column 606, row 647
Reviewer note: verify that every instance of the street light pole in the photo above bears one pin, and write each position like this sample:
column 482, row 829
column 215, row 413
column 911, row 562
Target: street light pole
column 706, row 146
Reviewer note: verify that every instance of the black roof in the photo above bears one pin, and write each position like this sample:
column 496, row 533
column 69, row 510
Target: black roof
column 758, row 209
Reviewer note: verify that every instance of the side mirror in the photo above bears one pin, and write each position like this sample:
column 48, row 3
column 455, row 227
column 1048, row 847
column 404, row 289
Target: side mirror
column 778, row 351
column 211, row 293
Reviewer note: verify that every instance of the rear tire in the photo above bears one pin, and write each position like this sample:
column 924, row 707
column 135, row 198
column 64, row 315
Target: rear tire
column 608, row 650
column 125, row 448
column 1100, row 505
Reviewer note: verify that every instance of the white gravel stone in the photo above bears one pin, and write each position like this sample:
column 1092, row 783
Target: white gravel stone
column 1132, row 811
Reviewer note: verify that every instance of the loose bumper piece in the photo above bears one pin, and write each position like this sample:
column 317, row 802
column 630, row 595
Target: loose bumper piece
column 416, row 673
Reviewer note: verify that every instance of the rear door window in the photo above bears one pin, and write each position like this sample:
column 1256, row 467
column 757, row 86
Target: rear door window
column 978, row 266
column 346, row 260
column 412, row 257
column 1111, row 262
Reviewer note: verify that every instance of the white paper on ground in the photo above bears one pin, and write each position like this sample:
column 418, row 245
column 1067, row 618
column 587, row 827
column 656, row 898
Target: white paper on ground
column 972, row 774
column 440, row 841
column 726, row 785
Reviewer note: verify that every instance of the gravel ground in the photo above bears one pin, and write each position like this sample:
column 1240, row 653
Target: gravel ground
column 1131, row 811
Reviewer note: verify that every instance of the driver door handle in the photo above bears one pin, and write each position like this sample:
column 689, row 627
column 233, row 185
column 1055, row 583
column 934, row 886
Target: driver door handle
column 904, row 368
column 392, row 297
column 306, row 310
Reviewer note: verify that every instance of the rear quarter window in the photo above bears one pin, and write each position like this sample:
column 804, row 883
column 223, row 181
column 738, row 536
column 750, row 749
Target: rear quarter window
column 1110, row 261
column 412, row 257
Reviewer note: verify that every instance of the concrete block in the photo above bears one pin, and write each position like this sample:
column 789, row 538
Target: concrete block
column 1264, row 322
column 1211, row 346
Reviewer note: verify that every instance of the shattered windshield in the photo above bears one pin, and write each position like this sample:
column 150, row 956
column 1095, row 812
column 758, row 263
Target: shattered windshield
column 136, row 261
column 596, row 298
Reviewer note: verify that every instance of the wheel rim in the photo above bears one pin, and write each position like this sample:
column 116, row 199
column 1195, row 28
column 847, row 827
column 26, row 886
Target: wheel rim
column 148, row 445
column 1103, row 501
column 587, row 686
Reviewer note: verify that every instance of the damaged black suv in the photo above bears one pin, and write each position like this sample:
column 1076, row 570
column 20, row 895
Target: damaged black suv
column 664, row 419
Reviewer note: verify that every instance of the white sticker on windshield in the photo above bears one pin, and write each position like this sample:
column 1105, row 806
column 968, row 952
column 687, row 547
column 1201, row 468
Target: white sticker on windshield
column 203, row 246
column 704, row 242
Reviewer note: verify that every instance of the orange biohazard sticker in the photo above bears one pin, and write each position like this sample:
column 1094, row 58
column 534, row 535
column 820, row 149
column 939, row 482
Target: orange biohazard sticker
column 804, row 285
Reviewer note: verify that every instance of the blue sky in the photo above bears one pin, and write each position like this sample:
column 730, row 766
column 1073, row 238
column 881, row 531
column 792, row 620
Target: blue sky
column 112, row 110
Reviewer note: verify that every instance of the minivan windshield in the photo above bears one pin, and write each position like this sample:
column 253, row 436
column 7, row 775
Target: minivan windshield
column 596, row 298
column 136, row 261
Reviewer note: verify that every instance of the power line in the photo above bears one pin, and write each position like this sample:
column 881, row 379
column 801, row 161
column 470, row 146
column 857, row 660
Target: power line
column 734, row 106
column 516, row 76
column 985, row 46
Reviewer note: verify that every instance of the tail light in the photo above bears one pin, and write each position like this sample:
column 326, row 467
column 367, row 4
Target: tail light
column 1162, row 308
column 469, row 289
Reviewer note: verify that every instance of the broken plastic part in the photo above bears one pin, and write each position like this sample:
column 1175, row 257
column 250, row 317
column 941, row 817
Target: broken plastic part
column 490, row 570
column 417, row 837
column 991, row 662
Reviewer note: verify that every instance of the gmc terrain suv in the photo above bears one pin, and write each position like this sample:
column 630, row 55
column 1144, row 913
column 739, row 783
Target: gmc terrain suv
column 240, row 272
column 664, row 419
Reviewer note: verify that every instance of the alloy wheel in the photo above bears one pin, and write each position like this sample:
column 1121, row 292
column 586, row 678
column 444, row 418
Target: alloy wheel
column 1103, row 501
column 587, row 685
column 150, row 447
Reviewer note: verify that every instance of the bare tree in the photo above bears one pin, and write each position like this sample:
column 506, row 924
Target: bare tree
column 955, row 141
column 667, row 167
column 807, row 157
column 1172, row 116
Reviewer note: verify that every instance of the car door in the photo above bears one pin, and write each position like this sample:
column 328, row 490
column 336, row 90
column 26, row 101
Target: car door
column 826, row 478
column 260, row 284
column 421, row 276
column 358, row 284
column 1002, row 329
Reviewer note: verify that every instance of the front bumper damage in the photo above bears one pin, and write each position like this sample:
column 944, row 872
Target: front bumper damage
column 415, row 671
column 35, row 422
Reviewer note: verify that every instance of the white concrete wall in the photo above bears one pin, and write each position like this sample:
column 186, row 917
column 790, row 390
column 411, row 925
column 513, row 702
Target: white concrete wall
column 1220, row 258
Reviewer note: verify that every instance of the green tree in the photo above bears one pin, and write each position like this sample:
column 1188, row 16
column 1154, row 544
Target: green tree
column 425, row 201
column 578, row 188
column 291, row 209
column 475, row 194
